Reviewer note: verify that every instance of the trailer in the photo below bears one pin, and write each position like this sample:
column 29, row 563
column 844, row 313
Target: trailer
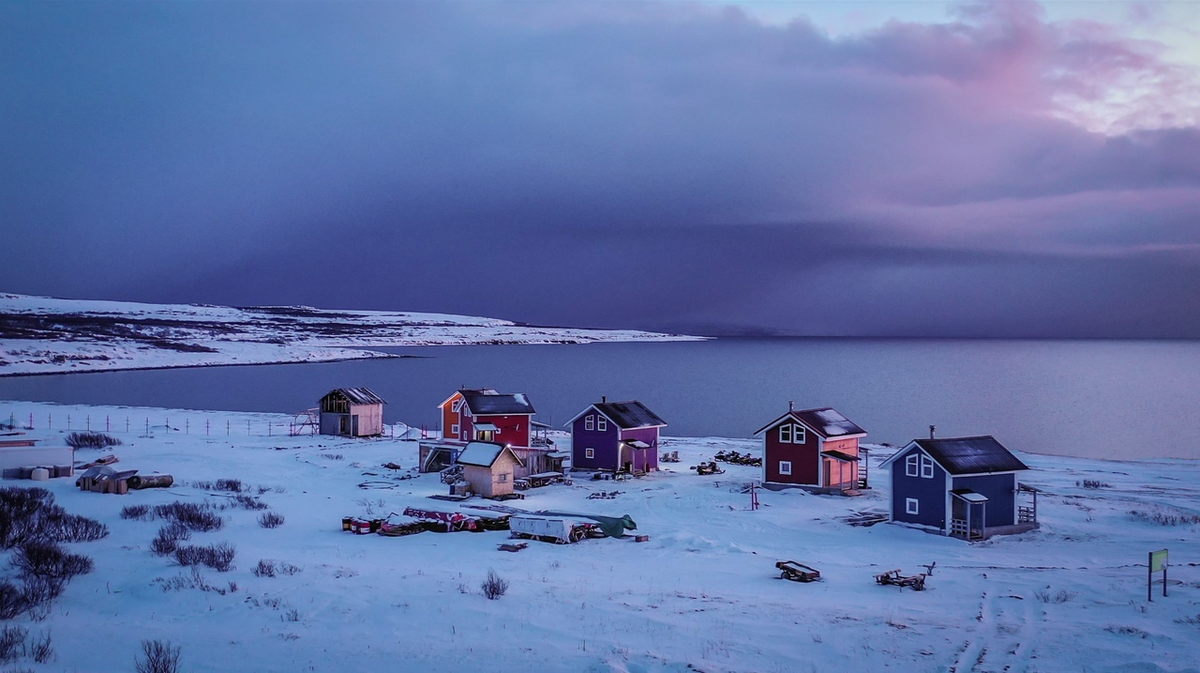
column 797, row 572
column 560, row 530
column 455, row 520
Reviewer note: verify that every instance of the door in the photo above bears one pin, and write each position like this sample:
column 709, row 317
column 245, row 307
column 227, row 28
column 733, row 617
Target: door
column 354, row 425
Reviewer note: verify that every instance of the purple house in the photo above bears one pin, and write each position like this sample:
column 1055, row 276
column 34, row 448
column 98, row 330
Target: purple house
column 617, row 436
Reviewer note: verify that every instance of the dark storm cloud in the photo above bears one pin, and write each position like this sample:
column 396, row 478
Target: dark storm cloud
column 630, row 164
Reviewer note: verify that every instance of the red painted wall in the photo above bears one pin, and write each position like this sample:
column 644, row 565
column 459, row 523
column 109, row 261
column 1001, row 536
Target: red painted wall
column 804, row 457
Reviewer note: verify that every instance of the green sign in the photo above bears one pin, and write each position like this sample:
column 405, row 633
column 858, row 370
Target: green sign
column 1158, row 560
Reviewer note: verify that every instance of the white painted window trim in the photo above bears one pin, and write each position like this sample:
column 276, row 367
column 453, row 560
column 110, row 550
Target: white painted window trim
column 926, row 467
column 589, row 453
column 785, row 433
column 912, row 506
column 601, row 424
column 454, row 429
column 589, row 423
column 912, row 466
column 785, row 467
column 798, row 434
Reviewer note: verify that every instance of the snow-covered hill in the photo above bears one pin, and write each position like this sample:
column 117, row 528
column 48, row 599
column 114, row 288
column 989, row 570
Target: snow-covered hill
column 40, row 335
column 702, row 594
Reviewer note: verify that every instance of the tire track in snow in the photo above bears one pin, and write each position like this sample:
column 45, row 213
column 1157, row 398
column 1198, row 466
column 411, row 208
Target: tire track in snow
column 1004, row 639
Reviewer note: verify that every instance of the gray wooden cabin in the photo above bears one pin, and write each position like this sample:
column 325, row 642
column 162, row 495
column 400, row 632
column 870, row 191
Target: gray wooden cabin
column 352, row 412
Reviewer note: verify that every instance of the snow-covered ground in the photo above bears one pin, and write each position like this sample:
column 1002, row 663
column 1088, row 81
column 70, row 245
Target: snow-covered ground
column 701, row 595
column 42, row 335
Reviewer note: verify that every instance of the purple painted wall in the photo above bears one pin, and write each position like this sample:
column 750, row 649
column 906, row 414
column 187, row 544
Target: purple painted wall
column 643, row 460
column 604, row 443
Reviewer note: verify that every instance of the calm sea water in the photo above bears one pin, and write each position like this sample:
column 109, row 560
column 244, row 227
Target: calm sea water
column 1102, row 399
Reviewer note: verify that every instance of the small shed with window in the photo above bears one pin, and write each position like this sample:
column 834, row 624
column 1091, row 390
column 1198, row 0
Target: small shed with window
column 961, row 486
column 352, row 412
column 489, row 468
column 816, row 449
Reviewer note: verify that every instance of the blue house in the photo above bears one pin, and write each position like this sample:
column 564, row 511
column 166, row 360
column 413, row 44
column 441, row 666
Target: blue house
column 963, row 486
column 615, row 436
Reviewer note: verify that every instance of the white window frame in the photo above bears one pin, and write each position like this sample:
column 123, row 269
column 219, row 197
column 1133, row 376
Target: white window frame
column 601, row 424
column 912, row 506
column 454, row 429
column 926, row 467
column 589, row 453
column 798, row 434
column 912, row 466
column 589, row 423
column 785, row 467
column 457, row 406
column 785, row 433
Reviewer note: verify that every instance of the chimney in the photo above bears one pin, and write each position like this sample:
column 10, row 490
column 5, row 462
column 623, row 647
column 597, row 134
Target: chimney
column 932, row 428
column 791, row 406
column 603, row 399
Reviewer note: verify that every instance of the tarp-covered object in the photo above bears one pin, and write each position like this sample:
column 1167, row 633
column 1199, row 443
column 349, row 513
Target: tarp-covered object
column 609, row 525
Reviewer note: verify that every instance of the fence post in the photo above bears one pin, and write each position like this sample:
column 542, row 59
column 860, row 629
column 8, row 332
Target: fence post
column 49, row 421
column 68, row 421
column 206, row 427
column 107, row 424
column 227, row 428
column 168, row 424
column 126, row 424
column 31, row 420
column 187, row 426
column 89, row 422
column 147, row 426
column 247, row 428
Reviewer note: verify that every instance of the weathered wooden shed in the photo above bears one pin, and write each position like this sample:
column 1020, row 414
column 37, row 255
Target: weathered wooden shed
column 489, row 468
column 352, row 412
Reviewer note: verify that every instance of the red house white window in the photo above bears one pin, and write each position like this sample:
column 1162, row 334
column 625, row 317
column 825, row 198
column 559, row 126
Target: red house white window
column 785, row 467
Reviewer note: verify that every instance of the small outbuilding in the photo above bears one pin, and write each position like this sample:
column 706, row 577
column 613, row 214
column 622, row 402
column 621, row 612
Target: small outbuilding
column 352, row 412
column 616, row 436
column 19, row 457
column 489, row 468
column 816, row 449
column 962, row 486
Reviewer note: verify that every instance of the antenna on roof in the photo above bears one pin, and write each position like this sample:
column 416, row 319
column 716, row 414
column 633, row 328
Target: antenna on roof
column 932, row 428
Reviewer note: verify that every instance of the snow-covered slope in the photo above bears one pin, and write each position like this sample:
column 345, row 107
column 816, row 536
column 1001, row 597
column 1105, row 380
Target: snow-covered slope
column 701, row 595
column 40, row 335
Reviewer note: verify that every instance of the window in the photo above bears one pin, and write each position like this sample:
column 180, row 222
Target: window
column 601, row 423
column 911, row 466
column 589, row 453
column 912, row 506
column 454, row 429
column 797, row 434
column 502, row 477
column 589, row 423
column 457, row 405
column 785, row 434
column 926, row 467
column 785, row 467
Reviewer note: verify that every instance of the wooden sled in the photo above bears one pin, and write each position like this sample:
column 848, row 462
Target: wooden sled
column 894, row 578
column 797, row 572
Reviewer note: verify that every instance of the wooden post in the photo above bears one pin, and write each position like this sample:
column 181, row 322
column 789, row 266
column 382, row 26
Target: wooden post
column 107, row 424
column 187, row 426
column 89, row 422
column 1150, row 577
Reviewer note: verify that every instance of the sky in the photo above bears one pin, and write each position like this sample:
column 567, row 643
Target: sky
column 958, row 169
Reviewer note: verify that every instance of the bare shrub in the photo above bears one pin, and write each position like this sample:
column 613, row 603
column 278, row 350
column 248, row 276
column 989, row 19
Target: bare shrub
column 12, row 600
column 219, row 557
column 1093, row 483
column 138, row 512
column 91, row 440
column 249, row 502
column 270, row 520
column 231, row 485
column 196, row 517
column 12, row 643
column 158, row 656
column 60, row 526
column 264, row 568
column 1164, row 517
column 46, row 559
column 41, row 649
column 288, row 569
column 493, row 587
column 21, row 510
column 1060, row 596
column 169, row 537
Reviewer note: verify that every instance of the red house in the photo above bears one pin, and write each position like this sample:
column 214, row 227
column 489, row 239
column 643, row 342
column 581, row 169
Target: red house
column 815, row 448
column 487, row 416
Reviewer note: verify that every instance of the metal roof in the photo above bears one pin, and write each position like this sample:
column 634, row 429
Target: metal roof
column 971, row 455
column 629, row 415
column 356, row 395
column 827, row 422
column 840, row 455
column 967, row 495
column 483, row 454
column 491, row 403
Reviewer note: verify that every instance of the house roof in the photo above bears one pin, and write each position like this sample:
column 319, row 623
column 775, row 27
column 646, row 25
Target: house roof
column 357, row 395
column 827, row 422
column 967, row 495
column 629, row 415
column 488, row 402
column 484, row 454
column 969, row 455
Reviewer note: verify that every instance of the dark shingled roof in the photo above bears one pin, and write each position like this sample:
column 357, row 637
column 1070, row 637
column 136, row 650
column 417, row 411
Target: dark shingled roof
column 490, row 402
column 971, row 455
column 629, row 415
column 828, row 422
column 357, row 395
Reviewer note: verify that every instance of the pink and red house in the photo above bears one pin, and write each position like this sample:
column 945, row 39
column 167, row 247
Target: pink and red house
column 814, row 448
column 485, row 415
column 616, row 436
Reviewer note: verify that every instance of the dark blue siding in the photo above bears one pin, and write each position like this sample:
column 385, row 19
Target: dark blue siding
column 604, row 442
column 930, row 494
column 998, row 489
